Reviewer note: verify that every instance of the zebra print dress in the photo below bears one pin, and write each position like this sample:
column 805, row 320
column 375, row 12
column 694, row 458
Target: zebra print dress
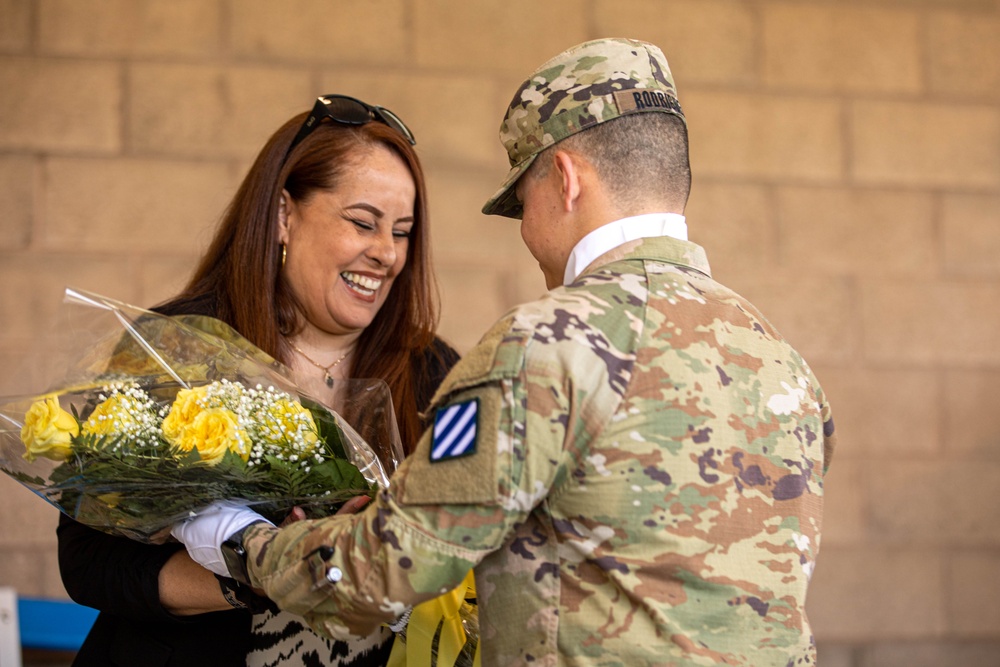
column 284, row 640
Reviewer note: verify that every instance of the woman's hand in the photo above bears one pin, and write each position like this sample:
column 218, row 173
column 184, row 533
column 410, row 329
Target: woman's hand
column 187, row 588
column 296, row 514
column 353, row 506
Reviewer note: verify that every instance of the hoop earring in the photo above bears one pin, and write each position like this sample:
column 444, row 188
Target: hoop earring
column 284, row 254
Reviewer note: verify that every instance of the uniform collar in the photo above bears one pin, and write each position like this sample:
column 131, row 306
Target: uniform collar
column 660, row 249
column 610, row 236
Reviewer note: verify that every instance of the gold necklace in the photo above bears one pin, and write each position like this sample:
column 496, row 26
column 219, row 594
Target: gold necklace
column 326, row 369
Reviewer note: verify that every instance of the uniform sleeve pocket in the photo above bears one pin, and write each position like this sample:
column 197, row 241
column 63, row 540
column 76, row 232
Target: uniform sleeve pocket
column 457, row 460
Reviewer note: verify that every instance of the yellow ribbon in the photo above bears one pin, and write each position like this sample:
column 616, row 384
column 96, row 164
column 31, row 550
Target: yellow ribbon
column 425, row 618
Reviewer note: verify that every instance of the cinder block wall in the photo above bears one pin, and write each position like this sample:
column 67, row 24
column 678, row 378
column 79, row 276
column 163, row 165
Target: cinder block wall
column 847, row 179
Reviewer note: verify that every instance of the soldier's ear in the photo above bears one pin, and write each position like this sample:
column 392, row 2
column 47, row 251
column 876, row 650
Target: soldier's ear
column 569, row 172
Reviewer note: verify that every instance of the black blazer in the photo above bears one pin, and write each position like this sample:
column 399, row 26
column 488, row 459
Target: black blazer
column 119, row 577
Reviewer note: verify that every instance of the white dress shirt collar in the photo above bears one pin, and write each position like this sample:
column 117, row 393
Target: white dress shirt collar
column 610, row 236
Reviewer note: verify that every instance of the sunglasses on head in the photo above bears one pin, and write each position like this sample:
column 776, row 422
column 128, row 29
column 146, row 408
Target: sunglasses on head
column 348, row 111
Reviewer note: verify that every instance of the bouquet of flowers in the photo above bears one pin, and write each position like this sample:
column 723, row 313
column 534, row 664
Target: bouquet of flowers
column 157, row 417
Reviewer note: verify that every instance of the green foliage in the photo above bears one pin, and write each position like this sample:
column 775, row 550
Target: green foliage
column 140, row 489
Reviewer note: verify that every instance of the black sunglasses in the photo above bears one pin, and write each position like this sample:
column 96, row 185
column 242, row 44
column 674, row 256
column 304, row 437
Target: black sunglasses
column 348, row 111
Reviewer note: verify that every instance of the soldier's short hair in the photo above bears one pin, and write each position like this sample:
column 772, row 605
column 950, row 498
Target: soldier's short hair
column 640, row 159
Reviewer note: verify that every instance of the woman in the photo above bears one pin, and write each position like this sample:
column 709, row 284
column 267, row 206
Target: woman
column 322, row 260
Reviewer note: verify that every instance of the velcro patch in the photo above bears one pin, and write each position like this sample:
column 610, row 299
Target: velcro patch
column 455, row 431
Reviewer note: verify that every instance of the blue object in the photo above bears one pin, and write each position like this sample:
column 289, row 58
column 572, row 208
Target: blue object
column 56, row 625
column 455, row 428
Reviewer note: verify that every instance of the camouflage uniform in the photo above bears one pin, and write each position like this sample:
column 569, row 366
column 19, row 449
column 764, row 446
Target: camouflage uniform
column 642, row 482
column 646, row 485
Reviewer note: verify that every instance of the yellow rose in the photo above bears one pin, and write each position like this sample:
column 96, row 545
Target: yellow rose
column 183, row 412
column 48, row 430
column 286, row 417
column 212, row 432
column 102, row 419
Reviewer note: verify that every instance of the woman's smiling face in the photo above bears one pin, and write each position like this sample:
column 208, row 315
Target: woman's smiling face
column 346, row 246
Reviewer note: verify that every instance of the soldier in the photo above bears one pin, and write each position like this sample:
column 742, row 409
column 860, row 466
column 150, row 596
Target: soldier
column 633, row 464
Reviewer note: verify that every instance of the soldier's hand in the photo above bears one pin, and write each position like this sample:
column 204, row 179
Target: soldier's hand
column 204, row 534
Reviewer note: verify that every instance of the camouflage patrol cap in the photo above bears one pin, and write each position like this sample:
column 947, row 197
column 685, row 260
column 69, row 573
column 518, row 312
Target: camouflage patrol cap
column 588, row 84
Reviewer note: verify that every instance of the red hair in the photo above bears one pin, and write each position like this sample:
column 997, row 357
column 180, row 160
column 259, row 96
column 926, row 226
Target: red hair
column 239, row 275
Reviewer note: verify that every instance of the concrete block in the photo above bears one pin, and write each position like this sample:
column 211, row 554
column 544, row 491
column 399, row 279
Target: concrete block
column 142, row 28
column 974, row 5
column 51, row 581
column 129, row 206
column 15, row 29
column 22, row 569
column 849, row 231
column 973, row 603
column 816, row 315
column 28, row 520
column 164, row 277
column 845, row 502
column 863, row 594
column 455, row 119
column 970, row 228
column 935, row 502
column 376, row 32
column 471, row 301
column 214, row 112
column 17, row 201
column 931, row 654
column 33, row 571
column 839, row 49
column 32, row 118
column 761, row 136
column 923, row 144
column 832, row 654
column 28, row 370
column 884, row 413
column 460, row 232
column 735, row 224
column 964, row 54
column 32, row 287
column 512, row 36
column 972, row 421
column 705, row 41
column 917, row 321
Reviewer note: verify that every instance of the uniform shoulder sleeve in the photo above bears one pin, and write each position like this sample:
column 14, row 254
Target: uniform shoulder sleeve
column 461, row 455
column 498, row 354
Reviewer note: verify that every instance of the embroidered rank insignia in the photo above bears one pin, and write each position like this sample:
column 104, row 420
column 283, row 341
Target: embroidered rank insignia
column 455, row 429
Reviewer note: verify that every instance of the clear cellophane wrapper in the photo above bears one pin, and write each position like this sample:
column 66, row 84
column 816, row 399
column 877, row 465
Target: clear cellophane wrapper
column 156, row 417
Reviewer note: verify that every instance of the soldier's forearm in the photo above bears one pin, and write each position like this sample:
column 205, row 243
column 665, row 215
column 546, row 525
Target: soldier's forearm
column 290, row 564
column 347, row 574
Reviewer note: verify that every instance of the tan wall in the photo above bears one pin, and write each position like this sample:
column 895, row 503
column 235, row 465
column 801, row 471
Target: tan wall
column 847, row 179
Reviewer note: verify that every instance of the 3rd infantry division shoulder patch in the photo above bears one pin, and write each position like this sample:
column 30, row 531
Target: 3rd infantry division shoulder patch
column 455, row 431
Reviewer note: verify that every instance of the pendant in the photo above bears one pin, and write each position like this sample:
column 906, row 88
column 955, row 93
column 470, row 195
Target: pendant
column 329, row 380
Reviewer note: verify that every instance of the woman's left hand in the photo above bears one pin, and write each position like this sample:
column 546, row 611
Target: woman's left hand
column 353, row 506
column 295, row 514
